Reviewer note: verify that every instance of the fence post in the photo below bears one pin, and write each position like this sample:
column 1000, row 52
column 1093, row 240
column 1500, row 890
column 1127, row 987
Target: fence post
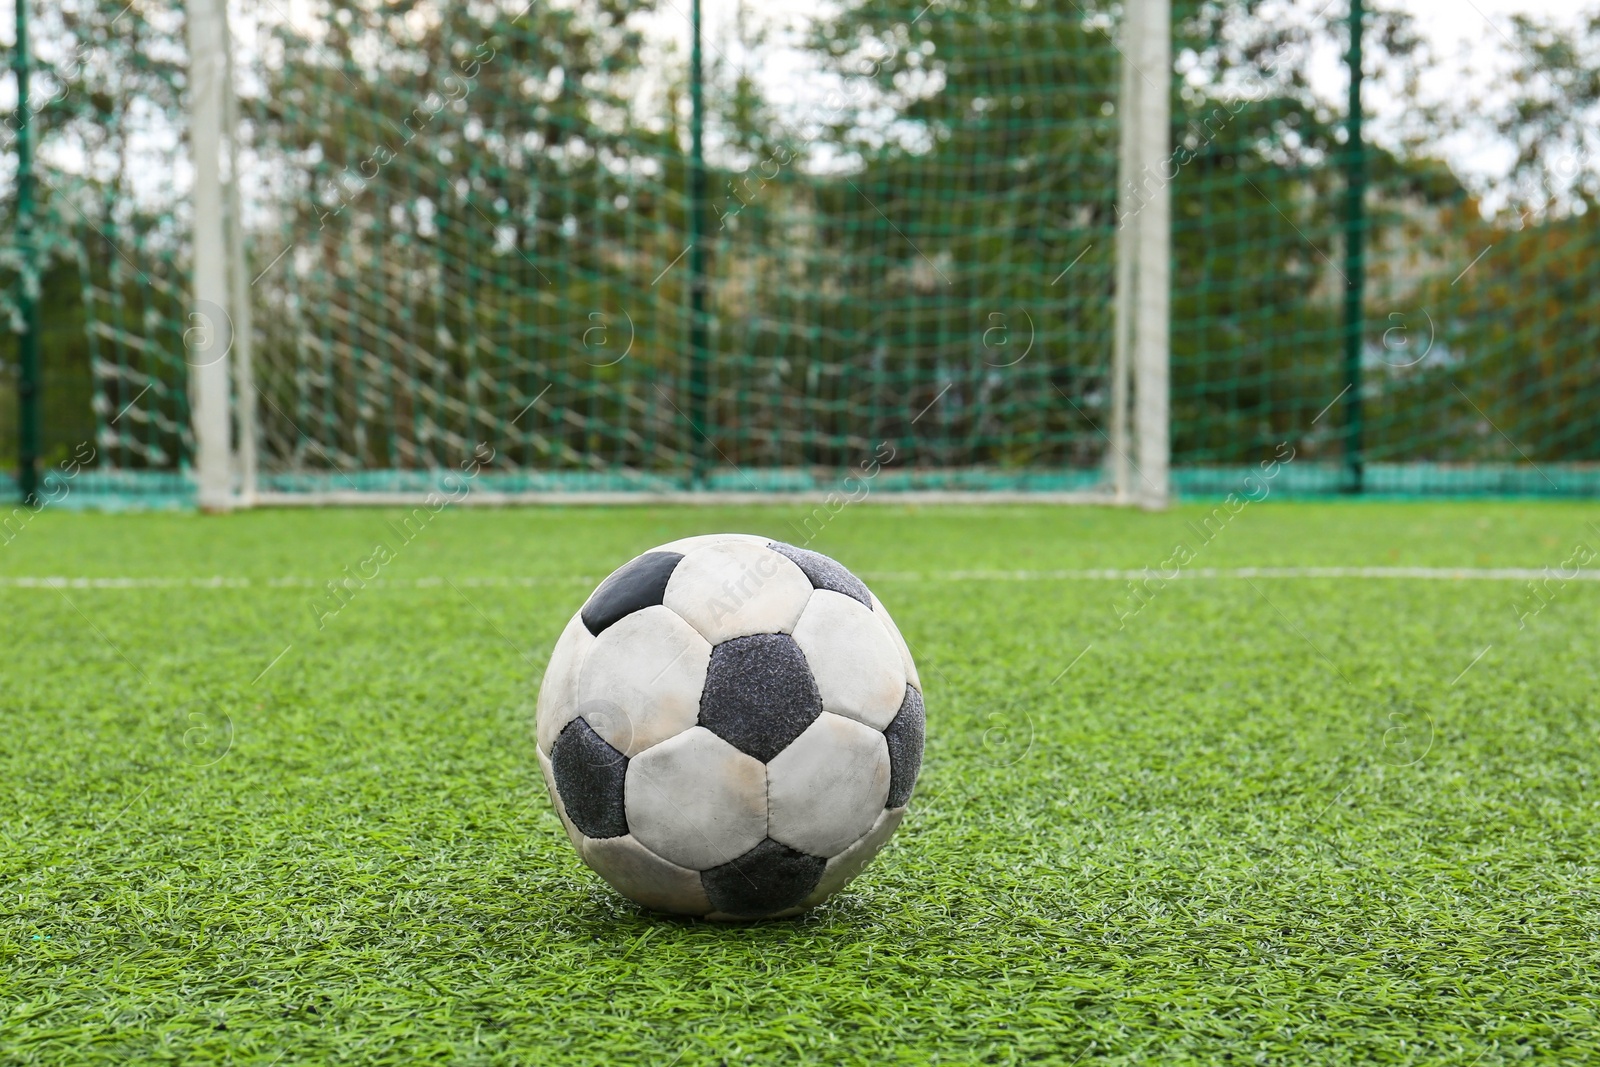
column 28, row 280
column 1355, row 268
column 699, row 387
column 210, row 333
column 1153, row 228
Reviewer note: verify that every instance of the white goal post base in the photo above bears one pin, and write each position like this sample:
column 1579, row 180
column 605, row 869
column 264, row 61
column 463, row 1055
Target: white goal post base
column 710, row 499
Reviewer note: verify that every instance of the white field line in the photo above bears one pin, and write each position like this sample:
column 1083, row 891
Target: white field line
column 1479, row 574
column 220, row 582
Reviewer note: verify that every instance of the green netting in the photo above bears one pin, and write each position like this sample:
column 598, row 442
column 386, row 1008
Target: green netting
column 111, row 250
column 1467, row 364
column 471, row 223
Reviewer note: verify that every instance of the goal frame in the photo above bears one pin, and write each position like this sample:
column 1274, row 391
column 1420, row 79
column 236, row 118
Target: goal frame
column 222, row 388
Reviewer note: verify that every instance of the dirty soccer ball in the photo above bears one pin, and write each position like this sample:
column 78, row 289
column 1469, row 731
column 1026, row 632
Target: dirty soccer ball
column 730, row 727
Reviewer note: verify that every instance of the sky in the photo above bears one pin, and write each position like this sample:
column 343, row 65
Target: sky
column 1468, row 38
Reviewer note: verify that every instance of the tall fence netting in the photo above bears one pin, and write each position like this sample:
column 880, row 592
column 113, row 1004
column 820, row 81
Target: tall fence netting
column 474, row 223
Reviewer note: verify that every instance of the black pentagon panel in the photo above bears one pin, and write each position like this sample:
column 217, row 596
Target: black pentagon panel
column 589, row 776
column 639, row 583
column 905, row 736
column 824, row 572
column 759, row 694
column 770, row 877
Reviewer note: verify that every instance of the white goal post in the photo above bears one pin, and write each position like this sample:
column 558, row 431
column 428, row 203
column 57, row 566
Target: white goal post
column 209, row 327
column 1142, row 330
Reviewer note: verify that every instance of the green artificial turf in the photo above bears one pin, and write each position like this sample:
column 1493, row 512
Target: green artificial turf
column 1268, row 819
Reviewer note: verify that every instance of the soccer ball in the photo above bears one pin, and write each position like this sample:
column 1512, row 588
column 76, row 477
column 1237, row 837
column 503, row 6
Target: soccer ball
column 730, row 727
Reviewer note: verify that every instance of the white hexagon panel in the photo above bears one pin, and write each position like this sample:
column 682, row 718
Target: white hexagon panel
column 736, row 589
column 557, row 691
column 854, row 659
column 696, row 800
column 730, row 727
column 641, row 679
column 828, row 786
